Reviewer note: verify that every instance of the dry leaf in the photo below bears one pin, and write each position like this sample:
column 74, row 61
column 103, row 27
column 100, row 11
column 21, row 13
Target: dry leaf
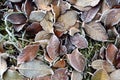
column 33, row 28
column 34, row 69
column 66, row 20
column 12, row 75
column 18, row 27
column 43, row 4
column 88, row 16
column 37, row 15
column 79, row 41
column 3, row 66
column 16, row 18
column 76, row 60
column 1, row 47
column 115, row 75
column 96, row 31
column 53, row 47
column 85, row 3
column 60, row 64
column 111, row 53
column 60, row 74
column 28, row 53
column 15, row 1
column 76, row 75
column 102, row 64
column 72, row 1
column 113, row 3
column 43, row 78
column 100, row 74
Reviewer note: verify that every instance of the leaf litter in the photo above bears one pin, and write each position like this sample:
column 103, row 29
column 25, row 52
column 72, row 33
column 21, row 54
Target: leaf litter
column 59, row 39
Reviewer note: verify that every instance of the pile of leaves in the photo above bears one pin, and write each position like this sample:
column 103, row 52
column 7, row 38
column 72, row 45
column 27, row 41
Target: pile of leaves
column 60, row 40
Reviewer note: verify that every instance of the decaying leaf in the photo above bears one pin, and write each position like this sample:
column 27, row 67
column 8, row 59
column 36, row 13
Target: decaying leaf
column 76, row 60
column 113, row 3
column 79, row 41
column 76, row 75
column 96, row 31
column 102, row 64
column 34, row 28
column 28, row 53
column 60, row 74
column 53, row 47
column 43, row 4
column 16, row 18
column 37, row 15
column 115, row 75
column 3, row 66
column 12, row 75
column 66, row 20
column 100, row 75
column 111, row 53
column 34, row 69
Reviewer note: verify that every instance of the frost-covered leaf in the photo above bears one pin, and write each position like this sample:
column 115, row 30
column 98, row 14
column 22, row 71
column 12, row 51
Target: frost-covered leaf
column 79, row 41
column 28, row 53
column 96, row 31
column 53, row 47
column 60, row 74
column 76, row 60
column 34, row 69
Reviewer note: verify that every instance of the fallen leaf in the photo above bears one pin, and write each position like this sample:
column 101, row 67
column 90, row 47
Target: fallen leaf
column 60, row 74
column 53, row 47
column 43, row 4
column 34, row 69
column 100, row 74
column 115, row 75
column 76, row 75
column 111, row 53
column 1, row 47
column 18, row 27
column 76, row 60
column 33, row 28
column 28, row 53
column 3, row 66
column 12, row 75
column 63, row 24
column 88, row 16
column 16, row 18
column 60, row 64
column 96, row 31
column 79, row 41
column 43, row 78
column 113, row 3
column 85, row 3
column 102, row 64
column 28, row 7
column 72, row 1
column 37, row 15
column 15, row 1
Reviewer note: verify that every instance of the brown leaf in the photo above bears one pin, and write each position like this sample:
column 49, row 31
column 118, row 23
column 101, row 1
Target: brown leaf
column 76, row 75
column 18, row 27
column 37, row 15
column 96, row 31
column 16, row 18
column 60, row 74
column 28, row 53
column 43, row 4
column 72, row 1
column 28, row 7
column 60, row 64
column 76, row 60
column 79, row 41
column 1, row 47
column 100, row 74
column 63, row 24
column 53, row 47
column 111, row 53
column 88, row 16
column 34, row 28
